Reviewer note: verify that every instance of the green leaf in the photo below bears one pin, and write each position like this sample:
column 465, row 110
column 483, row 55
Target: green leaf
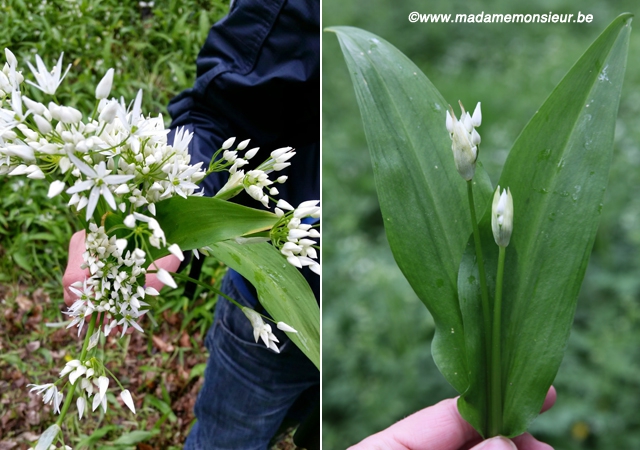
column 21, row 260
column 162, row 406
column 282, row 290
column 199, row 221
column 133, row 437
column 422, row 197
column 557, row 171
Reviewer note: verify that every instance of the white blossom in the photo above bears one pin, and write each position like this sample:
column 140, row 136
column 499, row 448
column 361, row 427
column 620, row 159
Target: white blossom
column 261, row 330
column 126, row 398
column 104, row 87
column 465, row 139
column 47, row 81
column 98, row 181
column 502, row 216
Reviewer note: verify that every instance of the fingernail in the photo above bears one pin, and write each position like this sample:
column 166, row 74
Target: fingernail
column 496, row 443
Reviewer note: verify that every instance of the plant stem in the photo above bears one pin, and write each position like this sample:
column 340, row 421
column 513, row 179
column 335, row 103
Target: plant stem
column 486, row 311
column 83, row 354
column 496, row 372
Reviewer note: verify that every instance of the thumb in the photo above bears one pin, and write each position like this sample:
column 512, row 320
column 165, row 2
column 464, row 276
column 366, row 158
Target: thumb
column 496, row 443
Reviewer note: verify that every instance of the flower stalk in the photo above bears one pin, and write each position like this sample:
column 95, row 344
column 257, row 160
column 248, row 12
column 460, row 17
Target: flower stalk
column 83, row 355
column 495, row 413
column 502, row 226
column 484, row 292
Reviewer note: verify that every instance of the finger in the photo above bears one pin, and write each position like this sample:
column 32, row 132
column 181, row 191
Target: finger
column 439, row 427
column 549, row 400
column 528, row 442
column 496, row 443
column 73, row 272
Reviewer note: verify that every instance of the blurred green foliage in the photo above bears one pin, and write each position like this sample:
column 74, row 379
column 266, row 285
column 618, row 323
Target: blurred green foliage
column 377, row 366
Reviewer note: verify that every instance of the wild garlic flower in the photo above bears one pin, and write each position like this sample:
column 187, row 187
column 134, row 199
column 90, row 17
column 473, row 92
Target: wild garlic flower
column 294, row 235
column 465, row 139
column 50, row 395
column 261, row 330
column 10, row 77
column 502, row 216
column 48, row 81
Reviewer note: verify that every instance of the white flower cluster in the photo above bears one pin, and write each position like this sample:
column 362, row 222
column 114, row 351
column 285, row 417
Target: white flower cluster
column 256, row 181
column 113, row 165
column 263, row 330
column 465, row 139
column 294, row 237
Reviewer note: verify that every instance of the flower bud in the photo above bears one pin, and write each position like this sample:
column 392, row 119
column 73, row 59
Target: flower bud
column 44, row 126
column 284, row 327
column 465, row 140
column 109, row 112
column 228, row 143
column 11, row 59
column 104, row 87
column 65, row 114
column 242, row 145
column 502, row 216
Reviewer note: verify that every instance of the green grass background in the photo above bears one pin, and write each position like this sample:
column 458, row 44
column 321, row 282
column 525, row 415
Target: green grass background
column 377, row 366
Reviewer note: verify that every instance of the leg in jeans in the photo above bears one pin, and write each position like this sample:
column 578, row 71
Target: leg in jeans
column 248, row 389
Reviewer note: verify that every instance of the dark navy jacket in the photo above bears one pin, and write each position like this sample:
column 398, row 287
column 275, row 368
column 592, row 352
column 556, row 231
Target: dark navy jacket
column 258, row 78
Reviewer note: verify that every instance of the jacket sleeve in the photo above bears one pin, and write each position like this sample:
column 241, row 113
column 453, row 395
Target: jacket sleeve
column 258, row 78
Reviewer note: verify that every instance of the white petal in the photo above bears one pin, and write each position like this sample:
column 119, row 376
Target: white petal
column 476, row 119
column 122, row 189
column 104, row 87
column 228, row 143
column 96, row 401
column 282, row 204
column 315, row 268
column 151, row 291
column 242, row 145
column 284, row 327
column 166, row 278
column 130, row 221
column 126, row 398
column 81, row 186
column 108, row 196
column 175, row 250
column 94, row 196
column 55, row 188
column 81, row 403
column 103, row 385
column 251, row 153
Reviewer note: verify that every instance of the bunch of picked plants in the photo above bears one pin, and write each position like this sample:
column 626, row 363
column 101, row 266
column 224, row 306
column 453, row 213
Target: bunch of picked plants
column 137, row 196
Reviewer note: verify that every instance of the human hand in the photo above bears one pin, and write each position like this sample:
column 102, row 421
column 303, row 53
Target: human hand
column 74, row 271
column 440, row 427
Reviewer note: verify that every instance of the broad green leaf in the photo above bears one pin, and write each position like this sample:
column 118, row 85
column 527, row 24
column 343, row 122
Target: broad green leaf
column 557, row 171
column 199, row 221
column 282, row 290
column 422, row 197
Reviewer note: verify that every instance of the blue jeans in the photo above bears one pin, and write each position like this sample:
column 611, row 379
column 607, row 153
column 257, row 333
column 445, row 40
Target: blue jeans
column 248, row 389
